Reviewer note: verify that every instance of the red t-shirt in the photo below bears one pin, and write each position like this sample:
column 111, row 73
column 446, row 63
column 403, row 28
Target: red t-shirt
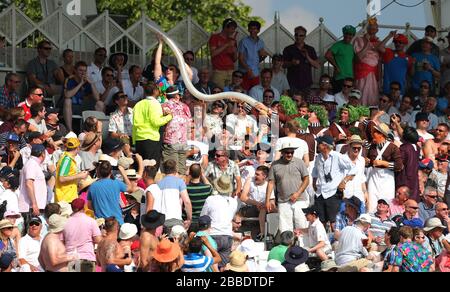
column 26, row 108
column 223, row 61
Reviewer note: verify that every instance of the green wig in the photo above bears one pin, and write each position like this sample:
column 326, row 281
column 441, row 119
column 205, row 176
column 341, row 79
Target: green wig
column 321, row 113
column 352, row 112
column 303, row 123
column 289, row 106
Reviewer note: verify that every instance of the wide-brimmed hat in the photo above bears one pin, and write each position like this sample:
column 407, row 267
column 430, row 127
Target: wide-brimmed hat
column 383, row 129
column 56, row 223
column 238, row 262
column 166, row 251
column 325, row 266
column 153, row 219
column 356, row 139
column 5, row 224
column 113, row 56
column 132, row 174
column 148, row 162
column 89, row 140
column 125, row 162
column 137, row 195
column 296, row 255
column 302, row 268
column 127, row 231
column 66, row 209
column 274, row 266
column 249, row 247
column 223, row 184
column 111, row 144
column 364, row 218
column 83, row 184
column 432, row 224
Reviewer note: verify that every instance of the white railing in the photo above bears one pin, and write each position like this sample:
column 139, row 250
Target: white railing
column 21, row 35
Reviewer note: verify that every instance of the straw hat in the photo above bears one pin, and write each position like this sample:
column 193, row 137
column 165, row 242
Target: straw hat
column 132, row 174
column 223, row 184
column 83, row 184
column 238, row 262
column 66, row 209
column 5, row 224
column 56, row 223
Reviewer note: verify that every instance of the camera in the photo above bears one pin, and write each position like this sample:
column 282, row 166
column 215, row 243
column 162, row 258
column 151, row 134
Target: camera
column 328, row 177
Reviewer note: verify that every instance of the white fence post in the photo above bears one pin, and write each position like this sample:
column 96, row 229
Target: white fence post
column 14, row 38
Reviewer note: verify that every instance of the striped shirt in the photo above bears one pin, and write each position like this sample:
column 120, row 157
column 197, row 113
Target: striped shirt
column 198, row 193
column 195, row 262
column 4, row 140
column 380, row 227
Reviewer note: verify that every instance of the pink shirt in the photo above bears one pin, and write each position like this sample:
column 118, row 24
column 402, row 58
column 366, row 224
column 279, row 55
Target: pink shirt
column 396, row 209
column 32, row 170
column 177, row 129
column 79, row 233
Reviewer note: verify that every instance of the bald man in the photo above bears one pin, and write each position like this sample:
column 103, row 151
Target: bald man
column 442, row 214
column 410, row 216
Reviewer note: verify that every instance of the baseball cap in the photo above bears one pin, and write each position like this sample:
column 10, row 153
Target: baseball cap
column 325, row 139
column 36, row 220
column 311, row 211
column 37, row 148
column 383, row 201
column 13, row 137
column 355, row 93
column 51, row 110
column 426, row 164
column 72, row 143
column 204, row 221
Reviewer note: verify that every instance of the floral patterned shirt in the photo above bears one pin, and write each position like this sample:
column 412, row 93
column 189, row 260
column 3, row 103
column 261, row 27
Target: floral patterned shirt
column 177, row 129
column 120, row 123
column 412, row 257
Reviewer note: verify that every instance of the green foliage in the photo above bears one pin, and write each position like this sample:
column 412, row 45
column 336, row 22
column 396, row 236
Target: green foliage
column 32, row 8
column 321, row 113
column 209, row 14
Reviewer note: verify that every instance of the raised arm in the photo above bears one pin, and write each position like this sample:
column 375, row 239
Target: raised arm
column 157, row 71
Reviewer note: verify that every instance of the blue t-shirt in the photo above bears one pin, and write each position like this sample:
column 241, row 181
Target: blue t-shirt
column 395, row 69
column 85, row 90
column 169, row 202
column 250, row 49
column 442, row 105
column 420, row 74
column 105, row 197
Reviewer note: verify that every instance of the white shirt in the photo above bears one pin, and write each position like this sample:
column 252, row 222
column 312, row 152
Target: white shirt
column 258, row 193
column 317, row 233
column 121, row 123
column 156, row 194
column 26, row 154
column 41, row 127
column 300, row 152
column 338, row 166
column 101, row 90
column 214, row 123
column 134, row 94
column 354, row 187
column 350, row 246
column 221, row 210
column 257, row 92
column 426, row 136
column 280, row 82
column 240, row 124
column 94, row 73
column 340, row 99
column 12, row 200
column 29, row 249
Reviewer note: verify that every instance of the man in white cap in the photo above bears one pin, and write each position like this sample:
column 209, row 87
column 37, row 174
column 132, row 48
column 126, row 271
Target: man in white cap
column 53, row 256
column 290, row 177
column 343, row 97
column 351, row 252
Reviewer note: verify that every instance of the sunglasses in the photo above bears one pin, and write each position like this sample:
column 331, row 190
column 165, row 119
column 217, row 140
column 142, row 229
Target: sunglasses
column 347, row 86
column 109, row 75
column 384, row 100
column 35, row 224
column 9, row 228
column 218, row 155
column 445, row 209
column 217, row 91
column 189, row 59
column 420, row 237
column 39, row 94
column 289, row 152
column 440, row 130
column 356, row 148
column 15, row 81
column 414, row 208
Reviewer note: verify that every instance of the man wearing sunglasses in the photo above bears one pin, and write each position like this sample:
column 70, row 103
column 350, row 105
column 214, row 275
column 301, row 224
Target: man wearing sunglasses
column 9, row 97
column 442, row 214
column 41, row 70
column 35, row 95
column 409, row 217
column 30, row 246
column 427, row 208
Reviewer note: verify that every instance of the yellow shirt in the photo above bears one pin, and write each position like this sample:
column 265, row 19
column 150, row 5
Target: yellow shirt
column 66, row 166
